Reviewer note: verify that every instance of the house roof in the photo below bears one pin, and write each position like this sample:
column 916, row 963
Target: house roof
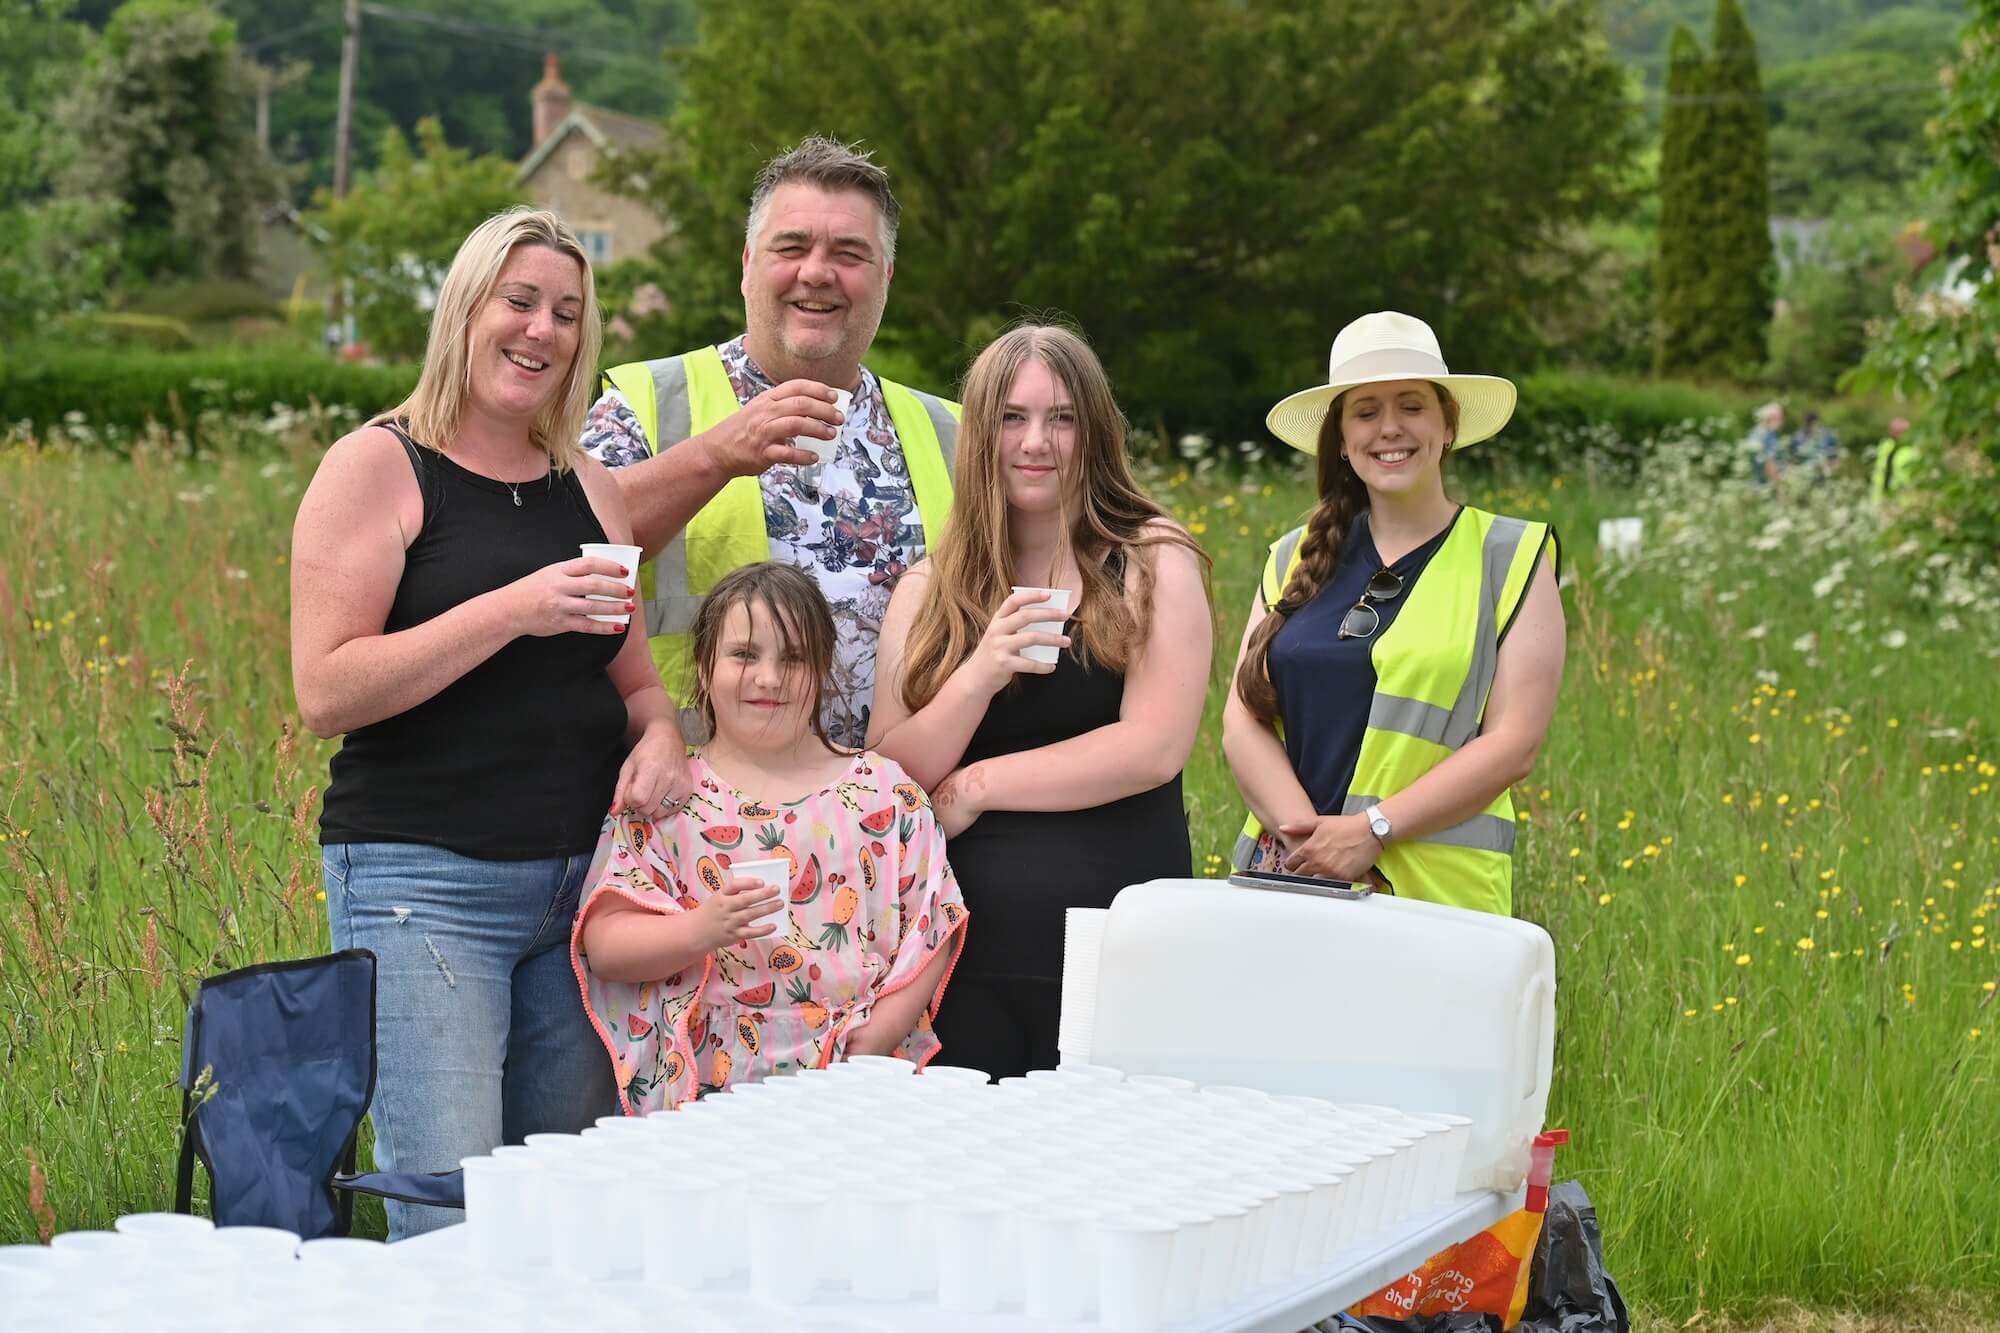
column 603, row 127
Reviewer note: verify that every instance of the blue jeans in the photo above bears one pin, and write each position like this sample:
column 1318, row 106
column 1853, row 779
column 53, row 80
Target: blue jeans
column 480, row 1031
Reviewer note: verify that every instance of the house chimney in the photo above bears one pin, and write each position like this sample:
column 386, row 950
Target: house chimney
column 550, row 98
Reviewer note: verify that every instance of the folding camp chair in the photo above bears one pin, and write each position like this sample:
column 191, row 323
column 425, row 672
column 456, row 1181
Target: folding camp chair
column 277, row 1071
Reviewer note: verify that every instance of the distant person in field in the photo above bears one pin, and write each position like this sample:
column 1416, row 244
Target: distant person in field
column 1815, row 448
column 687, row 991
column 1058, row 781
column 703, row 443
column 1403, row 651
column 439, row 621
column 1896, row 463
column 1767, row 444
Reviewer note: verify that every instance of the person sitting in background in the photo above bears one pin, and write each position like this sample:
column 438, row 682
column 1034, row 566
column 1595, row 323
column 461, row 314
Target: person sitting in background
column 1767, row 444
column 440, row 621
column 1815, row 448
column 1403, row 653
column 687, row 991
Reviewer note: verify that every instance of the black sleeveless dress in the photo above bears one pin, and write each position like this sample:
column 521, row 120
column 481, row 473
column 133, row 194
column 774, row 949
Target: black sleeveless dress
column 1020, row 869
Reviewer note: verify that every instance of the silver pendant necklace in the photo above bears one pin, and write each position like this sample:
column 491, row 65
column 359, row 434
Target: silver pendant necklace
column 517, row 494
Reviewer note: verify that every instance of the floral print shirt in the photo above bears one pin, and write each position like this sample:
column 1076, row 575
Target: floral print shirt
column 852, row 523
column 872, row 901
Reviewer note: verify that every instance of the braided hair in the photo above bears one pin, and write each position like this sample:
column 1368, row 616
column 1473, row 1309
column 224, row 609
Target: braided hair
column 1343, row 498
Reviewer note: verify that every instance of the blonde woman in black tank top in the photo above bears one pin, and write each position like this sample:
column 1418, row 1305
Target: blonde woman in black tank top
column 439, row 622
column 1057, row 783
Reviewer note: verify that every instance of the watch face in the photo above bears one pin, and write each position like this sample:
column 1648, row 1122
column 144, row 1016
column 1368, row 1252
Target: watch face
column 1379, row 826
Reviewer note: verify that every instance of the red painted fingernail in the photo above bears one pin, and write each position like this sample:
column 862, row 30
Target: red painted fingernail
column 622, row 571
column 631, row 606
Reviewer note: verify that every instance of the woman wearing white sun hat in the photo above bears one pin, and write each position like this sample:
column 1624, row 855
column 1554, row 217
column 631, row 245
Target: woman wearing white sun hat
column 1404, row 651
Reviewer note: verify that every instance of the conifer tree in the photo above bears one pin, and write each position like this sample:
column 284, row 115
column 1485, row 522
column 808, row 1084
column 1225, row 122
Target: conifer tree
column 1741, row 274
column 1684, row 339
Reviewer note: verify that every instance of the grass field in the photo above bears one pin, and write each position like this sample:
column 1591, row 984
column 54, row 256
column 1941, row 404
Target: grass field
column 1762, row 834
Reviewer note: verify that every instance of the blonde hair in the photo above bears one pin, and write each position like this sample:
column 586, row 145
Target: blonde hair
column 971, row 572
column 434, row 408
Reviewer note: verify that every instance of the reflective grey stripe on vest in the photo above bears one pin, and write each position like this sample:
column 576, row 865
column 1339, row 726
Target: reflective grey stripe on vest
column 1481, row 833
column 672, row 608
column 946, row 426
column 1453, row 727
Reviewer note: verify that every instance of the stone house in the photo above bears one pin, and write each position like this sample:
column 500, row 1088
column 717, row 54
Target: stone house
column 557, row 173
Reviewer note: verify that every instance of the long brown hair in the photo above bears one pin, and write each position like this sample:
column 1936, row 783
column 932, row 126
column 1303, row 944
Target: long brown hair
column 971, row 572
column 1343, row 498
column 805, row 628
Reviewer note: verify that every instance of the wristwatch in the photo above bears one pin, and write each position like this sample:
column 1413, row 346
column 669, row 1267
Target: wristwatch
column 1378, row 824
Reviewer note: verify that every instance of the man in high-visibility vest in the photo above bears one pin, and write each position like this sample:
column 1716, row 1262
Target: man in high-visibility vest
column 705, row 443
column 1895, row 462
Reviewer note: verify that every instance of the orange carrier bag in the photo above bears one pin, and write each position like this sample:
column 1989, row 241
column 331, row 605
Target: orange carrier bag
column 1486, row 1274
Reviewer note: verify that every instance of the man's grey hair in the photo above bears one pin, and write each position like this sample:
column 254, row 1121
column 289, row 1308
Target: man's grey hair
column 830, row 165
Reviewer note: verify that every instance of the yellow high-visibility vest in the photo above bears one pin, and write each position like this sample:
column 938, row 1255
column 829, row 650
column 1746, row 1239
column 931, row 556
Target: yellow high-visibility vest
column 1432, row 679
column 677, row 397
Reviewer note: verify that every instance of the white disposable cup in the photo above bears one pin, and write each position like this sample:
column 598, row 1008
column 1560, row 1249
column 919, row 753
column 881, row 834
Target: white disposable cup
column 1218, row 1260
column 1457, row 1137
column 1055, row 1263
column 824, row 450
column 258, row 1246
column 625, row 556
column 682, row 1204
column 1163, row 1082
column 505, row 1212
column 173, row 1230
column 1098, row 1073
column 774, row 873
column 957, row 1076
column 878, row 1257
column 584, row 1217
column 346, row 1255
column 1055, row 601
column 965, row 1227
column 888, row 1066
column 1135, row 1258
column 93, row 1246
column 784, row 1243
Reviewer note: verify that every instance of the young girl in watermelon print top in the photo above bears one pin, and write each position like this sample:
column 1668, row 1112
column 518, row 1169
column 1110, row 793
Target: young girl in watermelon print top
column 687, row 993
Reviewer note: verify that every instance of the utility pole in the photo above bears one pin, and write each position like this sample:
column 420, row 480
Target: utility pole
column 343, row 120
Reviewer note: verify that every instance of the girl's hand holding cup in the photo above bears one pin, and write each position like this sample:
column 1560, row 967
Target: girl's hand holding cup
column 1023, row 622
column 729, row 916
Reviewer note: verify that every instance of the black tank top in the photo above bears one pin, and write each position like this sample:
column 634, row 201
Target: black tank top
column 516, row 759
column 1020, row 869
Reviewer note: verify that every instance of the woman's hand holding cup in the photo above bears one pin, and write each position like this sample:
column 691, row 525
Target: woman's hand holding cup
column 558, row 598
column 1020, row 624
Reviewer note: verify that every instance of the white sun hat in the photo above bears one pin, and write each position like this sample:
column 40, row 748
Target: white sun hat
column 1380, row 348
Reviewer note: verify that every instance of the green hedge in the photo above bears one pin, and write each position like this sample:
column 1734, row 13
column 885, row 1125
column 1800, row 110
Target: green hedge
column 126, row 389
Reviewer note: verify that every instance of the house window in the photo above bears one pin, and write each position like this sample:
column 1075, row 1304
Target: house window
column 596, row 243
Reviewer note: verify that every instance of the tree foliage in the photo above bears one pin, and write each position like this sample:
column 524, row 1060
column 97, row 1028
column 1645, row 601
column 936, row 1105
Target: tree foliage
column 1686, row 336
column 160, row 121
column 1832, row 291
column 55, row 252
column 1942, row 348
column 610, row 50
column 1715, row 272
column 392, row 239
column 1209, row 187
column 1742, row 271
